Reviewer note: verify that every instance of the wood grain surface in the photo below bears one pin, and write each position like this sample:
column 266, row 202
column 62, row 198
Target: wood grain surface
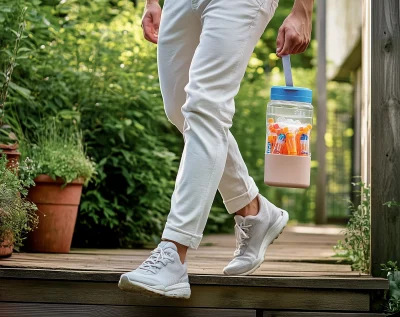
column 299, row 251
column 385, row 133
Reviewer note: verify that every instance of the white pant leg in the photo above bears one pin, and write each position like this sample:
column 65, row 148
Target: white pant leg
column 180, row 37
column 229, row 32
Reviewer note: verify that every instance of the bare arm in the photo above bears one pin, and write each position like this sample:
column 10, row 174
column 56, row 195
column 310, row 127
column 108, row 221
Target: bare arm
column 295, row 33
column 151, row 20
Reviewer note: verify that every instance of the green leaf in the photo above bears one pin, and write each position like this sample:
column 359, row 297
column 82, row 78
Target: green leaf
column 26, row 93
column 15, row 33
column 69, row 115
column 138, row 126
column 8, row 52
column 121, row 135
column 24, row 49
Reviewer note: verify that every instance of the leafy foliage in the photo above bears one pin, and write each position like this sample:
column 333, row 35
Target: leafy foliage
column 392, row 203
column 393, row 275
column 9, row 61
column 88, row 63
column 393, row 295
column 17, row 214
column 356, row 245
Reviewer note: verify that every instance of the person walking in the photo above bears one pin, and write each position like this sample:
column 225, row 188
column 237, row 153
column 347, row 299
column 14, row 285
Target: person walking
column 203, row 50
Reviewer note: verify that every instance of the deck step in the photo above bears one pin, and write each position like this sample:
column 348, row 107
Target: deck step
column 70, row 310
column 247, row 293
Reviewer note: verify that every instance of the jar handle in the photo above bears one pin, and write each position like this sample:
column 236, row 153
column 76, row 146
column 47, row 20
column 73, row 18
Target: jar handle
column 287, row 69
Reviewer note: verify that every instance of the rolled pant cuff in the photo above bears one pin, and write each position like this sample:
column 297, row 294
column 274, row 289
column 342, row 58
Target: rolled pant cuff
column 237, row 203
column 188, row 239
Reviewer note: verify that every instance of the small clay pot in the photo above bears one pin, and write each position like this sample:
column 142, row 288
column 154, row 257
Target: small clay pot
column 57, row 211
column 12, row 154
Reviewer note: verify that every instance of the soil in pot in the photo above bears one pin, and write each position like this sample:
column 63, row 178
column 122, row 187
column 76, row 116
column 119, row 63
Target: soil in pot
column 57, row 211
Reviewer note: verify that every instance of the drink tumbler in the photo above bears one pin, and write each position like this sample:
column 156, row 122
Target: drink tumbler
column 289, row 124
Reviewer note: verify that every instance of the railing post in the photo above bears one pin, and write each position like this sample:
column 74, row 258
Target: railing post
column 385, row 132
column 320, row 206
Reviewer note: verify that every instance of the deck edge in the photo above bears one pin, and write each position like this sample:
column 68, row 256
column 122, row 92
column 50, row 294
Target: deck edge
column 326, row 282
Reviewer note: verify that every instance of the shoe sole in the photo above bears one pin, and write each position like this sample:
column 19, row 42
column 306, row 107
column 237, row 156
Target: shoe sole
column 181, row 290
column 273, row 233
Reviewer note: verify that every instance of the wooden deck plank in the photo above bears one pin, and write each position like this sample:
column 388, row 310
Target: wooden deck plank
column 203, row 296
column 195, row 266
column 300, row 251
column 70, row 310
column 312, row 282
column 319, row 314
column 301, row 264
column 218, row 254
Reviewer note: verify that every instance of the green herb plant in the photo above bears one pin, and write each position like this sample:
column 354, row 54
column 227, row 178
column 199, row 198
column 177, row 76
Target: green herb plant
column 59, row 153
column 17, row 214
column 356, row 245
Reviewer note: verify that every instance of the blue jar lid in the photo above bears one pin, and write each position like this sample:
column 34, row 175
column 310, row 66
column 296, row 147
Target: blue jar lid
column 290, row 93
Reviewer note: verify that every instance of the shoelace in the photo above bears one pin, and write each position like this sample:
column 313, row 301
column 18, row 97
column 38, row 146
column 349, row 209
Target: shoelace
column 241, row 233
column 157, row 258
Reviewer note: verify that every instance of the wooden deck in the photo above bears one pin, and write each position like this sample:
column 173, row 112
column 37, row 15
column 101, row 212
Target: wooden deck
column 299, row 275
column 295, row 253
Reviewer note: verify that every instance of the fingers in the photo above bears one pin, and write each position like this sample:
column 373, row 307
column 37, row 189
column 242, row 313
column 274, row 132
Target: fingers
column 300, row 48
column 290, row 42
column 151, row 23
column 149, row 31
column 156, row 23
column 305, row 46
column 297, row 49
column 280, row 40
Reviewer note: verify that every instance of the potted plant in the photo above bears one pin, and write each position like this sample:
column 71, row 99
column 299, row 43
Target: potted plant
column 61, row 170
column 17, row 214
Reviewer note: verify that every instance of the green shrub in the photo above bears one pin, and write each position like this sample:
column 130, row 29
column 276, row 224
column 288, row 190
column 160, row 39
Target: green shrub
column 357, row 238
column 393, row 275
column 356, row 244
column 17, row 214
column 88, row 62
column 10, row 52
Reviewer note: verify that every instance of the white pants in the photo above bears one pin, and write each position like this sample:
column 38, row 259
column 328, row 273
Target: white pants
column 203, row 50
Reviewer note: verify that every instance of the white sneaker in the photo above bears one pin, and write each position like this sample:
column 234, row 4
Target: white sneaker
column 253, row 235
column 161, row 274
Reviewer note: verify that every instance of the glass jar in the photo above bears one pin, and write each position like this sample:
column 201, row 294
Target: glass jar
column 289, row 124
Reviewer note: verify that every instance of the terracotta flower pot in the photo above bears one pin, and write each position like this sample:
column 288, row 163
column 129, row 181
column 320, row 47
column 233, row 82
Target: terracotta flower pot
column 7, row 246
column 57, row 211
column 12, row 154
